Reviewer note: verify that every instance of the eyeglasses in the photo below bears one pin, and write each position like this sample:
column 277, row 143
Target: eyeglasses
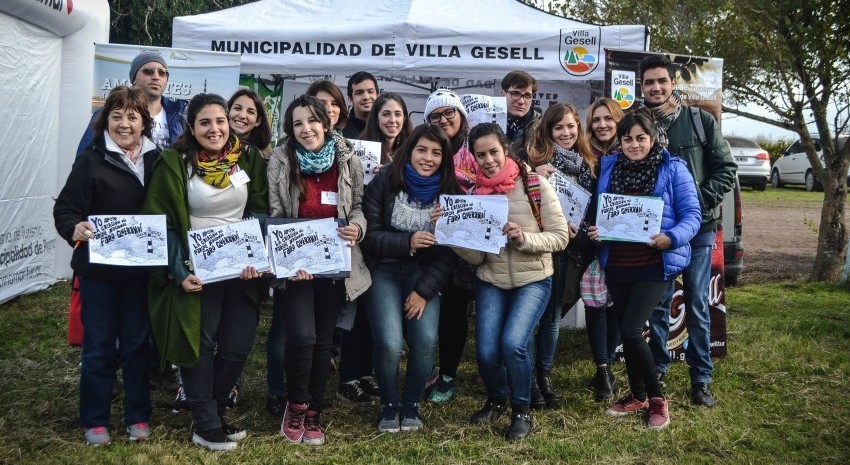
column 434, row 117
column 149, row 71
column 516, row 95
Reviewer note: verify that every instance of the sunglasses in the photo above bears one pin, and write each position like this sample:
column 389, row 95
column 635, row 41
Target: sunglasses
column 448, row 114
column 150, row 71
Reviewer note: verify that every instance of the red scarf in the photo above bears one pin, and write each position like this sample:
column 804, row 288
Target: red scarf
column 502, row 183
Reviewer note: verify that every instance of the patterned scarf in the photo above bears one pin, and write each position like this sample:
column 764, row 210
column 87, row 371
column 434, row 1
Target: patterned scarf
column 316, row 162
column 516, row 127
column 567, row 161
column 636, row 177
column 599, row 150
column 421, row 189
column 466, row 168
column 665, row 114
column 503, row 182
column 216, row 169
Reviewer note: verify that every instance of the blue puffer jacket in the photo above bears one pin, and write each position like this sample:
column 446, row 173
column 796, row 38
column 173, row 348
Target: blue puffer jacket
column 682, row 214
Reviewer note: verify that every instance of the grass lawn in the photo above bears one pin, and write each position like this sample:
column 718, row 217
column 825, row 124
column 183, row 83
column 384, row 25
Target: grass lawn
column 781, row 398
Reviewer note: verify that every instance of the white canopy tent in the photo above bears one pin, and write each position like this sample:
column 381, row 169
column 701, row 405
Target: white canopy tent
column 45, row 74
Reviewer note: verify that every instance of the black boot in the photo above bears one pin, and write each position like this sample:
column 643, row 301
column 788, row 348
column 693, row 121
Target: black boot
column 544, row 383
column 520, row 423
column 537, row 400
column 491, row 410
column 604, row 384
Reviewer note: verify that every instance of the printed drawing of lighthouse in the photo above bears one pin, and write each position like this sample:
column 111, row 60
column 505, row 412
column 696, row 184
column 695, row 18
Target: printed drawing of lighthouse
column 247, row 239
column 150, row 241
column 490, row 223
column 646, row 224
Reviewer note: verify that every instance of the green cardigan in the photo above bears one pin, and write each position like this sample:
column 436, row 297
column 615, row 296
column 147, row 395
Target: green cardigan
column 176, row 314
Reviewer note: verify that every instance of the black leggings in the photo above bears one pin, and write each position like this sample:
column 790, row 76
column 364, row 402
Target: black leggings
column 633, row 303
column 453, row 328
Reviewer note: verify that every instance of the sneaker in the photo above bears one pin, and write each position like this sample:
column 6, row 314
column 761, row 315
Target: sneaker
column 139, row 431
column 491, row 410
column 626, row 405
column 352, row 392
column 411, row 418
column 369, row 386
column 701, row 395
column 213, row 439
column 97, row 436
column 388, row 420
column 233, row 433
column 520, row 426
column 181, row 404
column 292, row 427
column 314, row 435
column 659, row 416
column 275, row 405
column 443, row 391
column 233, row 397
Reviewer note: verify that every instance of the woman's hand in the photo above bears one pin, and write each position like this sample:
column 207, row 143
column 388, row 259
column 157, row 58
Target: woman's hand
column 514, row 233
column 249, row 273
column 349, row 233
column 83, row 231
column 421, row 240
column 545, row 170
column 192, row 283
column 414, row 306
column 660, row 241
column 573, row 231
column 301, row 275
column 592, row 233
column 436, row 213
column 378, row 168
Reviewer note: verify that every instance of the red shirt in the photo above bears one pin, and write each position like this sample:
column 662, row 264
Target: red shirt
column 314, row 185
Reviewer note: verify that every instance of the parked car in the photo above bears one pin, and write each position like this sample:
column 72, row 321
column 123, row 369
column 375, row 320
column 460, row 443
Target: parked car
column 753, row 162
column 732, row 224
column 793, row 166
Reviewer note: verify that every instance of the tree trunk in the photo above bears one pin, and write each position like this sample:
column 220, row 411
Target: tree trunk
column 832, row 235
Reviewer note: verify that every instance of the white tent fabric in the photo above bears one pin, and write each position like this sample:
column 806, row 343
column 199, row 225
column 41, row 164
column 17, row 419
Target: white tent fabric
column 469, row 38
column 45, row 74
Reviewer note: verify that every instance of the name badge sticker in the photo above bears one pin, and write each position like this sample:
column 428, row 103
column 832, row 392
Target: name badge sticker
column 239, row 179
column 330, row 198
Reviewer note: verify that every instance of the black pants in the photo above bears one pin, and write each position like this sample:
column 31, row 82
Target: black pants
column 355, row 352
column 228, row 327
column 453, row 328
column 633, row 303
column 310, row 309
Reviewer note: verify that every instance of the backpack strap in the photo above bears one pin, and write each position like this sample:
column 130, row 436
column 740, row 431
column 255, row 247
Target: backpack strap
column 696, row 122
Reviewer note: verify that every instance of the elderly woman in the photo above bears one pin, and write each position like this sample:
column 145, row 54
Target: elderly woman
column 208, row 178
column 637, row 273
column 111, row 178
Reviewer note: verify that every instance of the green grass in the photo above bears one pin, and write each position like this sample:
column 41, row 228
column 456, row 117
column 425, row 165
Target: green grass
column 787, row 194
column 781, row 397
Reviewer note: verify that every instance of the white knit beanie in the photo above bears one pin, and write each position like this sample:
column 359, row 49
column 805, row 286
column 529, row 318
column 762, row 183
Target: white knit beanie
column 443, row 97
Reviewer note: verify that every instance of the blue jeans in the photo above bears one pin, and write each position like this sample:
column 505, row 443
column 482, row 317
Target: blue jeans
column 695, row 278
column 504, row 322
column 113, row 311
column 392, row 282
column 547, row 338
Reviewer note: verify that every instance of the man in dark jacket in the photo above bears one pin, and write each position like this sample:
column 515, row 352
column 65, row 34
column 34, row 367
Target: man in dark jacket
column 519, row 87
column 362, row 92
column 149, row 72
column 711, row 164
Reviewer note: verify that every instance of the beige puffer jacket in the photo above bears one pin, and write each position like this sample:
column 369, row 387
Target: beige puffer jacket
column 516, row 266
column 284, row 200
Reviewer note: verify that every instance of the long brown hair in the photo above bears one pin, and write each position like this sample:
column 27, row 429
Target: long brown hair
column 317, row 108
column 261, row 136
column 187, row 144
column 336, row 93
column 372, row 131
column 541, row 147
column 616, row 113
column 448, row 181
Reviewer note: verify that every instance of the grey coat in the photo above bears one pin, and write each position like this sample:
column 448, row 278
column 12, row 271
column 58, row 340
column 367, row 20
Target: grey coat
column 284, row 198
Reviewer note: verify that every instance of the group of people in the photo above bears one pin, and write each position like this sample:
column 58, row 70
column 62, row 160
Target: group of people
column 220, row 167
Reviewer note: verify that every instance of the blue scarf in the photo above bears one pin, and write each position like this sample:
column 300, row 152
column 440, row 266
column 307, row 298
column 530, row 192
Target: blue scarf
column 420, row 189
column 316, row 162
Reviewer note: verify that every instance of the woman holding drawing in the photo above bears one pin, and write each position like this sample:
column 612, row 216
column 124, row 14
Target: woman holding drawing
column 110, row 178
column 638, row 273
column 208, row 178
column 408, row 270
column 314, row 174
column 512, row 287
column 558, row 145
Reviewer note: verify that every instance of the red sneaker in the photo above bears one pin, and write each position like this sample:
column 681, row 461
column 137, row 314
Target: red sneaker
column 314, row 435
column 626, row 406
column 659, row 416
column 292, row 427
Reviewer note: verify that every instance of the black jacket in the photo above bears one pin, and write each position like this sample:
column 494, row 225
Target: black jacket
column 100, row 183
column 382, row 241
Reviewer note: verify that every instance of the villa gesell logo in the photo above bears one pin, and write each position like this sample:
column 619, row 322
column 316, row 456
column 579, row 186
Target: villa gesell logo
column 580, row 50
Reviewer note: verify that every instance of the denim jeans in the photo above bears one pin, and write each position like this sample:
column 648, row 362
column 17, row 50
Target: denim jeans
column 696, row 278
column 504, row 322
column 547, row 338
column 392, row 282
column 603, row 333
column 114, row 311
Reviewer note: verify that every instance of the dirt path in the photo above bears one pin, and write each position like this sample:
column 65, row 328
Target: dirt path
column 780, row 238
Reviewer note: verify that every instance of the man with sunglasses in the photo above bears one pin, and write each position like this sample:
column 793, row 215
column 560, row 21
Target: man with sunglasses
column 519, row 87
column 149, row 72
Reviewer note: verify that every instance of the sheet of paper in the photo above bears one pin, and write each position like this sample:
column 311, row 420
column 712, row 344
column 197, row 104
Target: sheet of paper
column 128, row 240
column 313, row 246
column 473, row 221
column 224, row 251
column 370, row 157
column 486, row 109
column 628, row 217
column 574, row 198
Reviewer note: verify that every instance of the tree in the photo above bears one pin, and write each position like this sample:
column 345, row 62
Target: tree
column 791, row 57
